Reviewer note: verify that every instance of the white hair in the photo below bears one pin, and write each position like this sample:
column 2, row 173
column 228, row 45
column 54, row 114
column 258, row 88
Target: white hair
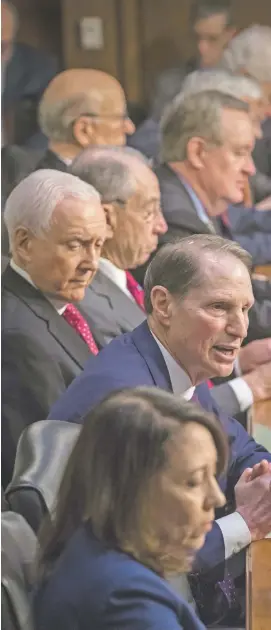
column 222, row 81
column 250, row 52
column 32, row 203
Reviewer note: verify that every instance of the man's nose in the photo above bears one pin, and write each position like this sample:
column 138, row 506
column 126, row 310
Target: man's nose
column 129, row 126
column 238, row 325
column 91, row 259
column 160, row 225
column 250, row 166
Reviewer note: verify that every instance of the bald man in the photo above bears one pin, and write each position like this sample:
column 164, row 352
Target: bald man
column 80, row 108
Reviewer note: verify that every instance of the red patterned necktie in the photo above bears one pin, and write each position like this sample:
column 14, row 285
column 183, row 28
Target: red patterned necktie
column 135, row 289
column 78, row 322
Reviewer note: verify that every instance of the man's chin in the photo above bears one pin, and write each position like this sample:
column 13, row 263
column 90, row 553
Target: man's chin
column 222, row 370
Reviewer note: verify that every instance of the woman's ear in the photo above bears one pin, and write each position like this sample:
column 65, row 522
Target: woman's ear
column 111, row 219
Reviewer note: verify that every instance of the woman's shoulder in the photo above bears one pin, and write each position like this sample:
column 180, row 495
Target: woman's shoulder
column 111, row 587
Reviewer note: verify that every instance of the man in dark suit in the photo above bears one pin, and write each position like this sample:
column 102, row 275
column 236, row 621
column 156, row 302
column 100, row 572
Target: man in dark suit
column 212, row 28
column 56, row 227
column 131, row 199
column 197, row 296
column 81, row 108
column 26, row 72
column 207, row 140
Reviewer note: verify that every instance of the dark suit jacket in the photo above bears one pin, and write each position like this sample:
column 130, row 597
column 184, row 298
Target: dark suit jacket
column 93, row 587
column 51, row 160
column 41, row 355
column 181, row 216
column 133, row 360
column 110, row 308
column 26, row 77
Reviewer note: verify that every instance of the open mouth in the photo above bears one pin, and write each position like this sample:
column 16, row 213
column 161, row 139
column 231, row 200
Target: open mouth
column 225, row 352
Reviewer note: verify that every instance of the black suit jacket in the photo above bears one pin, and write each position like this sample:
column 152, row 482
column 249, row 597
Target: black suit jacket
column 183, row 220
column 51, row 160
column 41, row 355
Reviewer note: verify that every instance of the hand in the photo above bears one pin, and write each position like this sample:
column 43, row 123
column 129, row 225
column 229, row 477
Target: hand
column 253, row 502
column 255, row 353
column 265, row 204
column 259, row 469
column 259, row 381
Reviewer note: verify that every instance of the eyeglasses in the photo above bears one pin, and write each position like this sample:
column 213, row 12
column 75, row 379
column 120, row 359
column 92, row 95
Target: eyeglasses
column 122, row 117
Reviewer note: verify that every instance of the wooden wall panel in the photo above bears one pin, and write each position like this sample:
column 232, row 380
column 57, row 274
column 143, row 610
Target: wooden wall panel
column 108, row 58
column 141, row 37
column 165, row 36
column 40, row 24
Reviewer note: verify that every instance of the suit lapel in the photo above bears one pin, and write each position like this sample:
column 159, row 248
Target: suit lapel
column 125, row 309
column 148, row 348
column 57, row 326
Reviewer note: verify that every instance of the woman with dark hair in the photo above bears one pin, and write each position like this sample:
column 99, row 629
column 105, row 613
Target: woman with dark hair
column 136, row 501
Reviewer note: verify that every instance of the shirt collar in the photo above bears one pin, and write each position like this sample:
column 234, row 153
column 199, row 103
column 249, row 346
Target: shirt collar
column 180, row 381
column 118, row 276
column 58, row 304
column 65, row 160
column 199, row 207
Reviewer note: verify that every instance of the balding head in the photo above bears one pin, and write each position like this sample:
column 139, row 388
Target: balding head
column 131, row 197
column 82, row 107
column 57, row 227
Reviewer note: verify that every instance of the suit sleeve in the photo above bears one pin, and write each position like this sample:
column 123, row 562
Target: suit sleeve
column 225, row 397
column 31, row 381
column 244, row 453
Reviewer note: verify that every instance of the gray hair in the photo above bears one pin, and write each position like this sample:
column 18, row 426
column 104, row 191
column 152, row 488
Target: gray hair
column 109, row 170
column 250, row 52
column 178, row 266
column 194, row 115
column 221, row 81
column 56, row 118
column 32, row 203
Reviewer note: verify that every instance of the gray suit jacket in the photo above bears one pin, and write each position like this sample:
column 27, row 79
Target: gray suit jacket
column 41, row 355
column 112, row 311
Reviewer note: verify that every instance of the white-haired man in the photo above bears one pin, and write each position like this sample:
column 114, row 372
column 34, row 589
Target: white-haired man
column 249, row 53
column 57, row 228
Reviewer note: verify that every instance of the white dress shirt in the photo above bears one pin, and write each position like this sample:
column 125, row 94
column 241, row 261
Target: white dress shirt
column 59, row 305
column 234, row 529
column 118, row 276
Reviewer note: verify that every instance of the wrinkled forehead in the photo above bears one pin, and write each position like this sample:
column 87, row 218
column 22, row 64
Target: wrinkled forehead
column 74, row 211
column 224, row 272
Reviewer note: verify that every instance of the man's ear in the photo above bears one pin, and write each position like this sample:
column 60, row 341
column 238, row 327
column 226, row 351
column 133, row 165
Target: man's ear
column 161, row 305
column 111, row 219
column 196, row 151
column 22, row 244
column 83, row 131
